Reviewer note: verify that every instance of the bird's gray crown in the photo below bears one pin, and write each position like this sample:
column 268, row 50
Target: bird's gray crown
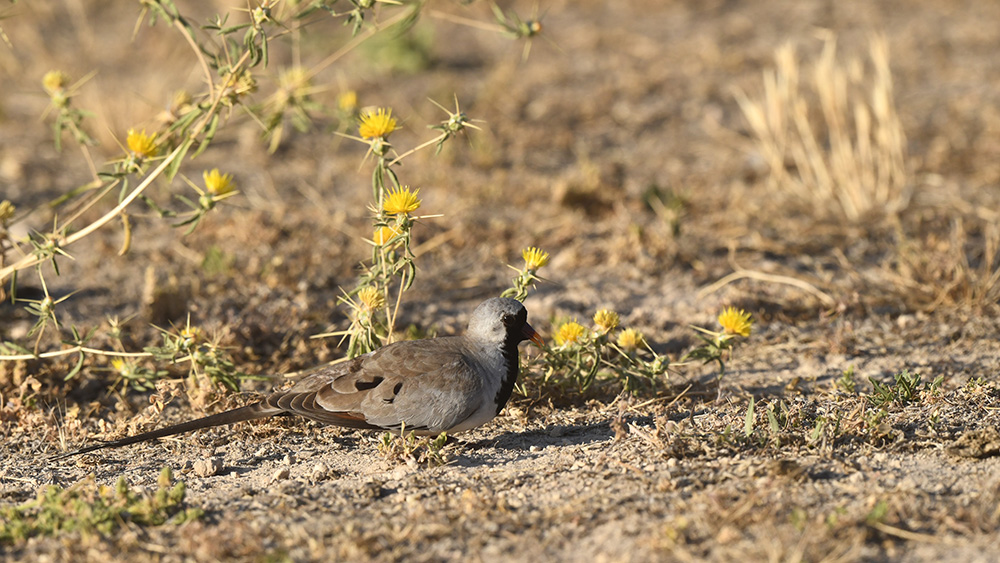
column 497, row 318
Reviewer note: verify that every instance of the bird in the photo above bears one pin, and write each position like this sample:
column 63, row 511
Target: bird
column 447, row 384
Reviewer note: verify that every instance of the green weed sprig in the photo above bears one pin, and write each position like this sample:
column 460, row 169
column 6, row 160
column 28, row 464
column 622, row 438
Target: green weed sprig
column 68, row 118
column 207, row 359
column 907, row 387
column 89, row 508
column 426, row 451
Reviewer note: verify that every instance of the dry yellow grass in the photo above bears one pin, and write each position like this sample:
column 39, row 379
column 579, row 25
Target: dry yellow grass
column 833, row 139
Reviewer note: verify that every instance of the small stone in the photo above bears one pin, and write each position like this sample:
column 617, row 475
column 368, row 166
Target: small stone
column 319, row 472
column 370, row 490
column 208, row 467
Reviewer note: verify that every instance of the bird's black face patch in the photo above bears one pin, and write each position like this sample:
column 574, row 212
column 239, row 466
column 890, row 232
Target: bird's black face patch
column 514, row 320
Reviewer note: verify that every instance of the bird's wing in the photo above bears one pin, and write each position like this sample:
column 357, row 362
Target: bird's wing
column 426, row 388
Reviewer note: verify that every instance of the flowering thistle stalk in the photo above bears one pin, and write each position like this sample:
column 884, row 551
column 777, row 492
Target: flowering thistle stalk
column 534, row 259
column 718, row 346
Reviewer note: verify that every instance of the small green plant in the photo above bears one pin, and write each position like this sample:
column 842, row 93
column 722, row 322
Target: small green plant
column 799, row 518
column 426, row 451
column 874, row 419
column 878, row 513
column 833, row 518
column 777, row 418
column 846, row 381
column 975, row 383
column 907, row 388
column 89, row 508
column 818, row 430
column 206, row 358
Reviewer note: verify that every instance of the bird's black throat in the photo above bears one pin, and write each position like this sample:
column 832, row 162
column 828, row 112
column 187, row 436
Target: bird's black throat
column 511, row 359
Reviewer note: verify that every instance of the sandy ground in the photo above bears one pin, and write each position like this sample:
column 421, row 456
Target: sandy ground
column 622, row 101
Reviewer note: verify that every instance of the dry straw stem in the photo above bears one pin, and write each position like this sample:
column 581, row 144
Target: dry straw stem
column 740, row 273
column 769, row 278
column 853, row 157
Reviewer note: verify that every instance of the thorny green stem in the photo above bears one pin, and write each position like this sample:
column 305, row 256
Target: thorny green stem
column 32, row 259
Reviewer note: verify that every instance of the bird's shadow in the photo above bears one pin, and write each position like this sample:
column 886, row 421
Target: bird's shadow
column 529, row 444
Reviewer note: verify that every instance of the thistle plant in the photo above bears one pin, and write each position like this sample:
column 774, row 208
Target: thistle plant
column 292, row 103
column 232, row 53
column 375, row 302
column 218, row 187
column 603, row 350
column 718, row 346
column 516, row 28
column 207, row 360
column 68, row 118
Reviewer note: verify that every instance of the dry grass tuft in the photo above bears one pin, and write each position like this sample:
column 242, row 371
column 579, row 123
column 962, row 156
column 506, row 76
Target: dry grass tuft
column 960, row 270
column 834, row 141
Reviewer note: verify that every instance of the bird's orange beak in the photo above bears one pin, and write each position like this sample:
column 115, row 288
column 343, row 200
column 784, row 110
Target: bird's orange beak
column 533, row 336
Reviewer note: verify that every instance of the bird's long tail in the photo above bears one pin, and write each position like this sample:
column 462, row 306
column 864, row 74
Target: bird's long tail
column 249, row 412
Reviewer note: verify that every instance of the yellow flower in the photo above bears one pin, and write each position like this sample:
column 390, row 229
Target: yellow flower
column 181, row 98
column 571, row 332
column 534, row 258
column 120, row 366
column 384, row 234
column 240, row 84
column 54, row 81
column 141, row 144
column 630, row 340
column 191, row 334
column 7, row 210
column 294, row 83
column 218, row 184
column 347, row 101
column 370, row 299
column 736, row 321
column 606, row 320
column 401, row 201
column 377, row 123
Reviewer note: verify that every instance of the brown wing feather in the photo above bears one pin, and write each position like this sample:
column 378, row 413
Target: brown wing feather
column 304, row 404
column 420, row 386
